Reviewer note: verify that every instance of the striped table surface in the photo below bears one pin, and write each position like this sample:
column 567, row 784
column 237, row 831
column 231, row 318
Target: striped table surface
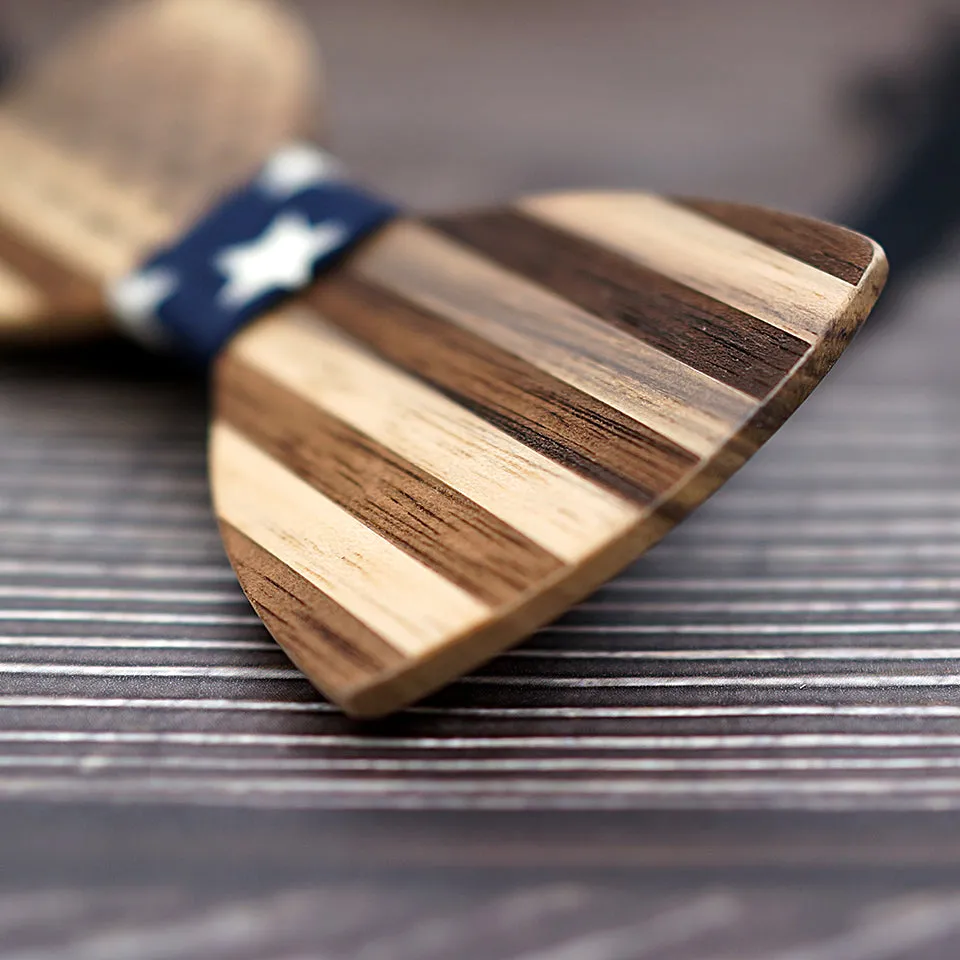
column 542, row 920
column 794, row 645
column 768, row 696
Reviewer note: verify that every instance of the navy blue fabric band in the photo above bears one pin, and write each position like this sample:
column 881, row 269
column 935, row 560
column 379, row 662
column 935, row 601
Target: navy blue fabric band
column 259, row 244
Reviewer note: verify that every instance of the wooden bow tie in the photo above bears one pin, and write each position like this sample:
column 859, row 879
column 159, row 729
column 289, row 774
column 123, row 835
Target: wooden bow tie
column 472, row 420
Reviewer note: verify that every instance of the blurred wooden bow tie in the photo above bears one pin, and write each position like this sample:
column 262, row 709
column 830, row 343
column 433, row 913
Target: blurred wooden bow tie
column 431, row 436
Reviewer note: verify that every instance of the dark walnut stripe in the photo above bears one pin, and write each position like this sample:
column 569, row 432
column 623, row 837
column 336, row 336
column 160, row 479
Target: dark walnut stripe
column 66, row 291
column 541, row 411
column 417, row 512
column 832, row 249
column 713, row 337
column 320, row 636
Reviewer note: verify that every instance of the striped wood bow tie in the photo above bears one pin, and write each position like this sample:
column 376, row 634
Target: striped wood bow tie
column 432, row 436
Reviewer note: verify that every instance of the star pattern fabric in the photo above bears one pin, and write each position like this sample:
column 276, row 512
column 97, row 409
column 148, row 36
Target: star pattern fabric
column 136, row 298
column 282, row 259
column 261, row 243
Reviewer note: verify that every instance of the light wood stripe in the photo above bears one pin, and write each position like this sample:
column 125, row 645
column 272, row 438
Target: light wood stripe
column 566, row 515
column 416, row 512
column 55, row 288
column 705, row 255
column 830, row 248
column 688, row 407
column 320, row 636
column 559, row 421
column 412, row 608
column 19, row 300
column 731, row 346
column 33, row 202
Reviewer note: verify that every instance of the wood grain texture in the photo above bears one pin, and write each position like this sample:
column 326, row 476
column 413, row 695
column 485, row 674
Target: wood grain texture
column 576, row 373
column 410, row 606
column 412, row 509
column 115, row 142
column 542, row 411
column 317, row 633
column 701, row 253
column 552, row 506
column 641, row 382
column 706, row 334
column 839, row 252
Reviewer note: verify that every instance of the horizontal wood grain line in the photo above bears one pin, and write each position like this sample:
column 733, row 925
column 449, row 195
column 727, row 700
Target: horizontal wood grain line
column 131, row 488
column 686, row 742
column 902, row 655
column 832, row 249
column 120, row 571
column 43, row 456
column 713, row 654
column 558, row 420
column 95, row 444
column 106, row 530
column 799, row 584
column 56, row 508
column 30, row 592
column 859, row 681
column 695, row 584
column 408, row 605
column 186, row 704
column 197, row 644
column 852, row 499
column 151, row 670
column 314, row 630
column 116, row 616
column 129, row 553
column 705, row 255
column 499, row 793
column 819, row 552
column 759, row 629
column 739, row 655
column 551, row 333
column 915, row 711
column 413, row 510
column 549, row 504
column 765, row 606
column 713, row 337
column 764, row 529
column 90, row 764
column 838, row 681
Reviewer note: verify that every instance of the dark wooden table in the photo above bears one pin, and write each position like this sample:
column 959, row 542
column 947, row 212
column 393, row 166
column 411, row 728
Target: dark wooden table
column 747, row 747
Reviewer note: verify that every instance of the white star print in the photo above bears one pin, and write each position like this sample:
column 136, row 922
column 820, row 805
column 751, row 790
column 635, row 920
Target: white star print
column 135, row 300
column 296, row 167
column 282, row 258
